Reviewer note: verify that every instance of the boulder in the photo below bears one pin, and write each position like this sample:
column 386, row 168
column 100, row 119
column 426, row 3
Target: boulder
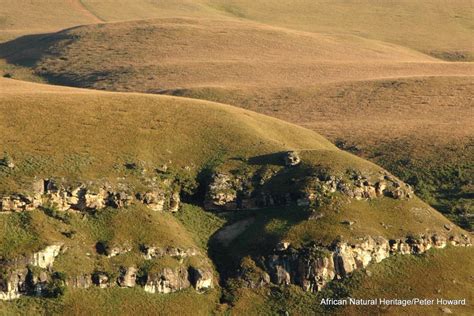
column 45, row 258
column 128, row 277
column 292, row 158
column 201, row 279
column 13, row 284
column 155, row 200
column 175, row 201
column 167, row 280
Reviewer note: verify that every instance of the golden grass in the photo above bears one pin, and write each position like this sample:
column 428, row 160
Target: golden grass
column 383, row 217
column 436, row 27
column 152, row 55
column 425, row 109
column 24, row 17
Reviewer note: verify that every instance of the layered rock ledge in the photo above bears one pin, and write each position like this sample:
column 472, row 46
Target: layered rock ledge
column 49, row 193
column 229, row 192
column 313, row 266
column 34, row 275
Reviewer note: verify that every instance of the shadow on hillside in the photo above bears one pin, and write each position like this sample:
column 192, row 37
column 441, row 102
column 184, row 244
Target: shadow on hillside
column 256, row 240
column 27, row 50
column 276, row 159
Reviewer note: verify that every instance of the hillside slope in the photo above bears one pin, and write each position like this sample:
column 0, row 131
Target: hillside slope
column 436, row 27
column 418, row 128
column 132, row 168
column 369, row 96
column 153, row 55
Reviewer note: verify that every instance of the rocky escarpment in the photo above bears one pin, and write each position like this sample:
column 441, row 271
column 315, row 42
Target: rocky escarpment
column 34, row 275
column 27, row 274
column 297, row 184
column 163, row 279
column 313, row 266
column 162, row 196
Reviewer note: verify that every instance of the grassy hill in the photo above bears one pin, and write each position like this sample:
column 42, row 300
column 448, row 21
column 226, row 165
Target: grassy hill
column 418, row 128
column 231, row 87
column 102, row 130
column 436, row 27
column 154, row 55
column 440, row 28
column 87, row 134
column 399, row 108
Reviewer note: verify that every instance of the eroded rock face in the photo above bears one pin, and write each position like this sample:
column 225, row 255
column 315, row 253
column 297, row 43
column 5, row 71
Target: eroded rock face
column 167, row 280
column 117, row 250
column 34, row 275
column 155, row 200
column 80, row 281
column 128, row 277
column 101, row 280
column 38, row 282
column 152, row 252
column 312, row 267
column 13, row 284
column 223, row 191
column 292, row 158
column 232, row 192
column 45, row 258
column 49, row 193
column 19, row 279
column 202, row 279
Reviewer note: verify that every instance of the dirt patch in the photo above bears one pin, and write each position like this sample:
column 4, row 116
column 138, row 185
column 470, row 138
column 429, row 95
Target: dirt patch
column 227, row 234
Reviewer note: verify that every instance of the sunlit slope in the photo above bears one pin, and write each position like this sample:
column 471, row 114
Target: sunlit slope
column 375, row 111
column 102, row 130
column 440, row 28
column 149, row 56
column 421, row 129
column 437, row 27
column 24, row 17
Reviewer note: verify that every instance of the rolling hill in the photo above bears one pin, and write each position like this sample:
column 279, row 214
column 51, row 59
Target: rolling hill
column 154, row 55
column 126, row 140
column 370, row 96
column 210, row 157
column 436, row 27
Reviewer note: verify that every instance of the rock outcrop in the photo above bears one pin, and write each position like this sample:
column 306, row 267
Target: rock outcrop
column 128, row 277
column 18, row 277
column 45, row 258
column 292, row 158
column 233, row 192
column 13, row 284
column 79, row 282
column 167, row 280
column 313, row 266
column 152, row 252
column 34, row 274
column 201, row 279
column 49, row 193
